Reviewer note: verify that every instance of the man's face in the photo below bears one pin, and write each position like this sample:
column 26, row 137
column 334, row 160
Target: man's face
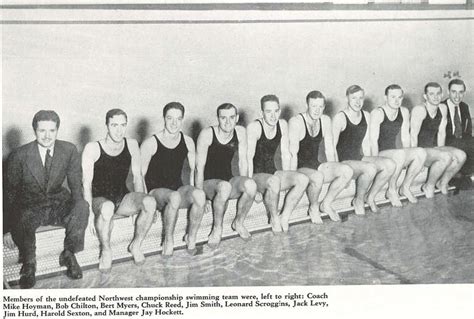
column 394, row 98
column 456, row 93
column 315, row 108
column 227, row 120
column 433, row 95
column 46, row 133
column 173, row 121
column 356, row 100
column 271, row 112
column 117, row 127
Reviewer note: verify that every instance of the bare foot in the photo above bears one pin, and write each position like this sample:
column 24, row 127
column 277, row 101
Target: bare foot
column 428, row 190
column 443, row 188
column 359, row 207
column 168, row 246
column 191, row 246
column 392, row 196
column 105, row 261
column 276, row 225
column 315, row 214
column 241, row 230
column 137, row 254
column 214, row 238
column 408, row 194
column 327, row 208
column 285, row 222
column 373, row 206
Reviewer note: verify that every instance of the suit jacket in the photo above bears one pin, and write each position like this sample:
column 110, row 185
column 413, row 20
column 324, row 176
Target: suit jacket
column 25, row 176
column 466, row 122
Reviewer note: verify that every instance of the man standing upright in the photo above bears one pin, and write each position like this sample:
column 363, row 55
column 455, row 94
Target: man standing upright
column 35, row 174
column 428, row 130
column 351, row 129
column 264, row 137
column 216, row 147
column 388, row 123
column 459, row 125
column 162, row 157
column 106, row 164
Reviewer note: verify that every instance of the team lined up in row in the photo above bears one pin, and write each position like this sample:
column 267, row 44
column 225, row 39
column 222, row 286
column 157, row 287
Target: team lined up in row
column 357, row 145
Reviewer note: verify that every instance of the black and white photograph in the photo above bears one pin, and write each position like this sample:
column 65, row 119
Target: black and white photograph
column 288, row 150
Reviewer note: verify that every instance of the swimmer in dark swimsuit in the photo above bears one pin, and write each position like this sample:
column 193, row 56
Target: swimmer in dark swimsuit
column 428, row 130
column 306, row 133
column 390, row 124
column 162, row 159
column 264, row 137
column 105, row 166
column 351, row 137
column 216, row 147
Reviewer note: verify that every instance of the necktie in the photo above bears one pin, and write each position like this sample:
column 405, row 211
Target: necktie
column 457, row 123
column 47, row 166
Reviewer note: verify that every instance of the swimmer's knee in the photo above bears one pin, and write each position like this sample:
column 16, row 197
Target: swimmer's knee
column 199, row 197
column 370, row 170
column 107, row 210
column 316, row 178
column 250, row 187
column 273, row 184
column 149, row 203
column 174, row 200
column 224, row 189
column 345, row 172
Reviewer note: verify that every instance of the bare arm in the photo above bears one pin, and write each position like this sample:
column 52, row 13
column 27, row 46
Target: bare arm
column 326, row 124
column 147, row 150
column 405, row 129
column 203, row 142
column 442, row 125
column 253, row 134
column 366, row 140
column 294, row 128
column 136, row 166
column 284, row 146
column 338, row 125
column 417, row 116
column 191, row 158
column 90, row 154
column 376, row 118
column 242, row 136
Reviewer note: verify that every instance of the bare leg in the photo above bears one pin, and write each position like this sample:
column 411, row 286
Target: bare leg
column 365, row 174
column 297, row 184
column 197, row 199
column 399, row 156
column 247, row 189
column 458, row 159
column 143, row 224
column 313, row 191
column 437, row 161
column 385, row 170
column 104, row 212
column 415, row 160
column 269, row 185
column 219, row 191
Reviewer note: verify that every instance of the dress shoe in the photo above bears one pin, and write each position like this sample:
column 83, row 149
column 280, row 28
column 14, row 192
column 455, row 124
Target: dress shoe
column 27, row 279
column 68, row 259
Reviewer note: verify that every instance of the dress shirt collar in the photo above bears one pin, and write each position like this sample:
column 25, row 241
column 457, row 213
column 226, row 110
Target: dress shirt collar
column 42, row 151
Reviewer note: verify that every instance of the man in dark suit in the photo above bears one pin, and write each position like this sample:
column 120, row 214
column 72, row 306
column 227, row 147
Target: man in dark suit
column 36, row 197
column 459, row 127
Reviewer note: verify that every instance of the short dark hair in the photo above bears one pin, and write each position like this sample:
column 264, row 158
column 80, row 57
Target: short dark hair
column 458, row 82
column 432, row 85
column 226, row 106
column 113, row 112
column 392, row 87
column 45, row 115
column 173, row 105
column 353, row 89
column 315, row 95
column 269, row 98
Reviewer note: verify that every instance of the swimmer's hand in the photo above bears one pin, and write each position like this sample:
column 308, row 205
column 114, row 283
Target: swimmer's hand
column 91, row 225
column 258, row 197
column 8, row 241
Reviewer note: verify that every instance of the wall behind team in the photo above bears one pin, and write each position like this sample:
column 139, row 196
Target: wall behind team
column 81, row 71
